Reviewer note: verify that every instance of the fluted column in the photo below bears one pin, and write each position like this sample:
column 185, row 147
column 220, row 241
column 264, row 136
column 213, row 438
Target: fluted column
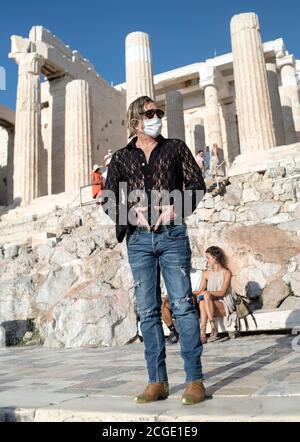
column 289, row 88
column 275, row 103
column 139, row 77
column 175, row 115
column 28, row 140
column 78, row 135
column 213, row 123
column 252, row 95
column 232, row 145
column 288, row 120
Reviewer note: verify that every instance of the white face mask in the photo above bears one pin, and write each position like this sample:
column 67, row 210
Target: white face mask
column 152, row 127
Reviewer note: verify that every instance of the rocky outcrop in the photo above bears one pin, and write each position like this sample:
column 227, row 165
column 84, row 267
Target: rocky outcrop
column 69, row 284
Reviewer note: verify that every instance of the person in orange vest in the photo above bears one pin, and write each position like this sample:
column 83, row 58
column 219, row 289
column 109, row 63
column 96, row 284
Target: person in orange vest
column 97, row 182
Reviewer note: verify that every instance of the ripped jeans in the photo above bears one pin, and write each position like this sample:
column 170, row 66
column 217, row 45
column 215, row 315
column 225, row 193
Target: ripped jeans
column 167, row 250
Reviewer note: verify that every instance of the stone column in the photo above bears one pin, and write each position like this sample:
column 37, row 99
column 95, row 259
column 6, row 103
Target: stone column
column 289, row 89
column 213, row 123
column 6, row 165
column 232, row 144
column 255, row 120
column 272, row 77
column 78, row 135
column 195, row 134
column 139, row 78
column 288, row 120
column 175, row 115
column 28, row 140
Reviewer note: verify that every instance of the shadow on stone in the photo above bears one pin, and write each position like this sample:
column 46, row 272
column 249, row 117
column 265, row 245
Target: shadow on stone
column 258, row 360
column 15, row 330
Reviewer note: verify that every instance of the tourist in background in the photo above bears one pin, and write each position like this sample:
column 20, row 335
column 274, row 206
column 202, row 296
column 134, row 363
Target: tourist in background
column 215, row 295
column 201, row 161
column 107, row 160
column 97, row 183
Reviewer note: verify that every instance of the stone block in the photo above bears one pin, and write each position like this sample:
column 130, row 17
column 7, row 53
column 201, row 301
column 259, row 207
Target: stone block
column 233, row 195
column 250, row 195
column 11, row 250
column 261, row 211
column 227, row 216
column 209, row 203
column 274, row 294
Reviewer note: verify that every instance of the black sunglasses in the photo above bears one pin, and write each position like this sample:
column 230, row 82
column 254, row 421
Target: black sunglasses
column 151, row 112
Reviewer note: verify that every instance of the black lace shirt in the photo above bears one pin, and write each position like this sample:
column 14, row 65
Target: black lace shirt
column 171, row 167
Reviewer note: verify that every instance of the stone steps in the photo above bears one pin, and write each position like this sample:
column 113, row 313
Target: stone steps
column 23, row 224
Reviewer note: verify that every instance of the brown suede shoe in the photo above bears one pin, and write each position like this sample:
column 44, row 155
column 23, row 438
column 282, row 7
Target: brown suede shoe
column 152, row 393
column 194, row 393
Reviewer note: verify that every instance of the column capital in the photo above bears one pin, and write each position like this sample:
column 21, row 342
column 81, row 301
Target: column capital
column 207, row 76
column 30, row 63
column 287, row 60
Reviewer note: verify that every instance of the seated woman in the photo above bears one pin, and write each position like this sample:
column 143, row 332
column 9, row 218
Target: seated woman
column 215, row 295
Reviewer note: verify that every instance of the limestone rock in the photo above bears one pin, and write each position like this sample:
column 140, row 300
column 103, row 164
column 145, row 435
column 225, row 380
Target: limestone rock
column 252, row 282
column 219, row 205
column 11, row 251
column 55, row 287
column 205, row 214
column 278, row 219
column 16, row 299
column 250, row 195
column 215, row 217
column 262, row 211
column 295, row 283
column 91, row 315
column 274, row 294
column 233, row 195
column 209, row 203
column 291, row 226
column 290, row 303
column 273, row 244
column 227, row 216
column 297, row 211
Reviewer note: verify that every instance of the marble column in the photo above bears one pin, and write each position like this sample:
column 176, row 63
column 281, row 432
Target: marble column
column 272, row 77
column 28, row 140
column 288, row 120
column 213, row 123
column 175, row 115
column 139, row 77
column 255, row 119
column 78, row 135
column 289, row 88
column 232, row 144
column 195, row 134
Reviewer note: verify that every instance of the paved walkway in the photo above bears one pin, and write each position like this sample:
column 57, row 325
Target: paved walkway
column 252, row 378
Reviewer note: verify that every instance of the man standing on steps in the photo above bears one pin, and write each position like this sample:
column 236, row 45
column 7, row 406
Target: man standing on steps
column 158, row 174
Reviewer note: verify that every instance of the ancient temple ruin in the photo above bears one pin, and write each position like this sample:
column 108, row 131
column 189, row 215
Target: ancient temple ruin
column 67, row 116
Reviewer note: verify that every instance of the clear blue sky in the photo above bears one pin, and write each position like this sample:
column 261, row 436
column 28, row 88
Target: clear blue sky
column 181, row 32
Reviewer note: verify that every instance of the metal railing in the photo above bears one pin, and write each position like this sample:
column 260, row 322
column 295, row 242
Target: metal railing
column 89, row 202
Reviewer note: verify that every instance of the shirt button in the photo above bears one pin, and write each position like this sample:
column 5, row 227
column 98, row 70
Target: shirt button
column 143, row 164
column 148, row 176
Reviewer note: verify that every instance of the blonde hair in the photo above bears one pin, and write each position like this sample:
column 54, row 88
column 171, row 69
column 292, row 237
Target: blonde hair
column 134, row 111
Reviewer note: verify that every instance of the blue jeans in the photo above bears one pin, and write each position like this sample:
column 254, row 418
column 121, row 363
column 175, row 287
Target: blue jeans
column 167, row 250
